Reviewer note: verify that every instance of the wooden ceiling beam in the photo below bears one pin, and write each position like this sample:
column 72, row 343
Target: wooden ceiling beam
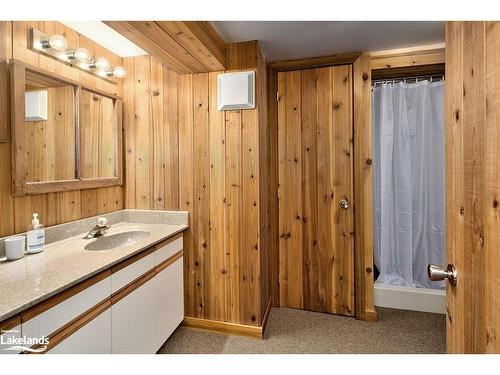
column 183, row 46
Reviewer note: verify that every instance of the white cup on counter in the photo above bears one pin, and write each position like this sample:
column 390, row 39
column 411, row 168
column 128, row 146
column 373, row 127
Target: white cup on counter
column 14, row 247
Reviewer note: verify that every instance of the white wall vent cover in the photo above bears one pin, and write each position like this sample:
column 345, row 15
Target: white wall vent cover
column 236, row 91
column 36, row 105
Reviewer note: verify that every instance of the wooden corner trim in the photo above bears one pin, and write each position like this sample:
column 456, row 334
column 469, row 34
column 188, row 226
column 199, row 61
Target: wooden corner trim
column 43, row 306
column 315, row 62
column 265, row 317
column 223, row 327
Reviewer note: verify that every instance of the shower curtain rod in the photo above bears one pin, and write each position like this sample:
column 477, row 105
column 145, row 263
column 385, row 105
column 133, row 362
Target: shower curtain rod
column 406, row 79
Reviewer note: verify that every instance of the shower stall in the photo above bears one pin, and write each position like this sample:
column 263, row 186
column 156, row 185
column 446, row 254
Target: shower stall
column 408, row 191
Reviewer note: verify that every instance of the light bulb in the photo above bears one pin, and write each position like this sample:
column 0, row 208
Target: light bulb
column 57, row 42
column 82, row 55
column 119, row 72
column 101, row 63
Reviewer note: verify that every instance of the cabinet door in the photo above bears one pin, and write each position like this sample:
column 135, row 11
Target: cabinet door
column 133, row 321
column 169, row 301
column 93, row 338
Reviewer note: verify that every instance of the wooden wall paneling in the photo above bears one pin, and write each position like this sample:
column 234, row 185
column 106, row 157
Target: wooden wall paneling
column 272, row 124
column 483, row 185
column 363, row 218
column 131, row 33
column 343, row 266
column 202, row 250
column 233, row 217
column 186, row 192
column 294, row 211
column 90, row 204
column 186, row 35
column 414, row 56
column 454, row 182
column 171, row 134
column 250, row 250
column 474, row 118
column 266, row 191
column 144, row 151
column 218, row 266
column 186, row 47
column 158, row 123
column 315, row 62
column 280, row 286
column 130, row 131
column 172, row 39
column 326, row 197
column 492, row 168
column 311, row 222
column 210, row 42
column 20, row 40
column 5, row 55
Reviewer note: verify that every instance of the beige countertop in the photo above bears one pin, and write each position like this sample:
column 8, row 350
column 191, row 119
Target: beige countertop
column 29, row 280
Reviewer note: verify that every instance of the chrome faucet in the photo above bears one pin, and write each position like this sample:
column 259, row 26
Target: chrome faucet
column 99, row 229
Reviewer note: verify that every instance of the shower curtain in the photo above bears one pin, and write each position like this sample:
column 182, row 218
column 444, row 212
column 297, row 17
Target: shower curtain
column 408, row 176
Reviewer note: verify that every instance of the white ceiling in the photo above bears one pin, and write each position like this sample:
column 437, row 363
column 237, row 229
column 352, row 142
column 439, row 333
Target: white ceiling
column 104, row 35
column 283, row 40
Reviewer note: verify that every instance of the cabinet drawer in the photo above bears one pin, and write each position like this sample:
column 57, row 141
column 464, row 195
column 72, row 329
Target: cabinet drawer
column 57, row 316
column 131, row 272
column 92, row 338
column 163, row 252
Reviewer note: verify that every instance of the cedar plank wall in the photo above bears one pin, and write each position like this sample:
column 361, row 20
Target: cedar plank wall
column 54, row 208
column 472, row 115
column 212, row 164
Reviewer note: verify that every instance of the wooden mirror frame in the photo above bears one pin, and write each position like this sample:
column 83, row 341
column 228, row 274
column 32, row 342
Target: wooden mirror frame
column 20, row 185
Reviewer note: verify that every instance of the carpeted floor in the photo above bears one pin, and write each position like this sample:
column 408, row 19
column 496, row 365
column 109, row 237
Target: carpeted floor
column 296, row 331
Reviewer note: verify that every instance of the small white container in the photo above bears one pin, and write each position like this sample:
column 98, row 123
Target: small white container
column 14, row 247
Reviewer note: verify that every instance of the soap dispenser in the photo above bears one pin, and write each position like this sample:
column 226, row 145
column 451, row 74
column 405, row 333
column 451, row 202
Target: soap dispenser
column 35, row 236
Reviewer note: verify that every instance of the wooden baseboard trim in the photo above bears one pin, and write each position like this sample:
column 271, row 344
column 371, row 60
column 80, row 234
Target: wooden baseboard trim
column 267, row 311
column 223, row 327
column 371, row 316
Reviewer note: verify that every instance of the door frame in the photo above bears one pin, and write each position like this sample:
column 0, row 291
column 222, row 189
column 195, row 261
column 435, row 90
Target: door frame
column 362, row 174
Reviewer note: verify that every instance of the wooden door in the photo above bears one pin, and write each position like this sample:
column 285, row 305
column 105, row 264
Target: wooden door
column 315, row 173
column 473, row 186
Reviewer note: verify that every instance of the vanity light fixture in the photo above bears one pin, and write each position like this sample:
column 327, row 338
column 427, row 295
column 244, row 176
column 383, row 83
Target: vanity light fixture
column 119, row 72
column 81, row 55
column 100, row 63
column 56, row 46
column 56, row 41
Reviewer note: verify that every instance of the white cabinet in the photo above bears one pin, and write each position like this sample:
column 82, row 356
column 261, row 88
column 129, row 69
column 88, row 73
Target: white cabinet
column 169, row 301
column 93, row 338
column 130, row 273
column 164, row 252
column 144, row 305
column 133, row 321
column 57, row 316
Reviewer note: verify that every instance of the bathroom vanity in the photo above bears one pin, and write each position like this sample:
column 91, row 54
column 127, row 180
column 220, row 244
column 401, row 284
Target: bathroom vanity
column 118, row 293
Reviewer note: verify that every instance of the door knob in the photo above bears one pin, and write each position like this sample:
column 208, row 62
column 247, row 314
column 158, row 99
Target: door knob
column 438, row 273
column 344, row 203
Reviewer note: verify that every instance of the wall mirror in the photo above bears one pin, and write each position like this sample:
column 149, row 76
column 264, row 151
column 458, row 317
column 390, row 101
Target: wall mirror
column 65, row 136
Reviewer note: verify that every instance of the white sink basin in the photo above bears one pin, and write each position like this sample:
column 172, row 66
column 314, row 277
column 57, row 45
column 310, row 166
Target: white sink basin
column 112, row 241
